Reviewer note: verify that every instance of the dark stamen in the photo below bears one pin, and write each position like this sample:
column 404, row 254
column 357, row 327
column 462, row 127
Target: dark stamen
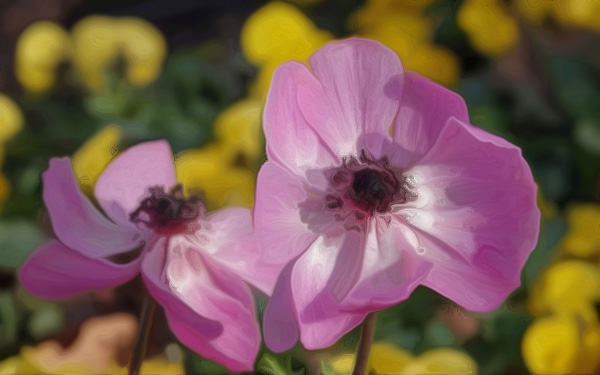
column 168, row 210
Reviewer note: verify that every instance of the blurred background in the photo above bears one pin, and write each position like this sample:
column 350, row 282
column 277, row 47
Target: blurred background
column 89, row 78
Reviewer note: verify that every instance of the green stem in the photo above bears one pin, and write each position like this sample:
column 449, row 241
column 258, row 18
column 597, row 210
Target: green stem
column 146, row 320
column 364, row 345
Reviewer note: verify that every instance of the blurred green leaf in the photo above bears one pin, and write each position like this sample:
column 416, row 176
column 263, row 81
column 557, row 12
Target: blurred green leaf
column 8, row 320
column 18, row 238
column 46, row 320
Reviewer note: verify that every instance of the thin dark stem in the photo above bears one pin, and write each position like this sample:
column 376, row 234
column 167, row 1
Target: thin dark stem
column 364, row 345
column 146, row 319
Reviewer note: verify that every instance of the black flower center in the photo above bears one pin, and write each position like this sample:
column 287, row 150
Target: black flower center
column 373, row 189
column 167, row 210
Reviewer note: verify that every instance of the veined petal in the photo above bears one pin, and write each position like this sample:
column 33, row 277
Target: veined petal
column 126, row 180
column 291, row 141
column 388, row 270
column 424, row 110
column 54, row 271
column 321, row 321
column 363, row 82
column 228, row 236
column 75, row 220
column 280, row 232
column 208, row 307
column 478, row 221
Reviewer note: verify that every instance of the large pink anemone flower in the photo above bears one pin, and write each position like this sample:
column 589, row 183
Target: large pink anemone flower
column 193, row 265
column 376, row 183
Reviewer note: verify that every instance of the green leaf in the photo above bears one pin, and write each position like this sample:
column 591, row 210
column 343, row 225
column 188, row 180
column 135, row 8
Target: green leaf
column 18, row 238
column 271, row 364
column 8, row 320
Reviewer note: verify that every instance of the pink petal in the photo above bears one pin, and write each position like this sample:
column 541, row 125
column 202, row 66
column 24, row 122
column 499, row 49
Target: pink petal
column 75, row 220
column 477, row 219
column 424, row 110
column 54, row 271
column 290, row 139
column 208, row 307
column 126, row 180
column 363, row 81
column 387, row 270
column 280, row 232
column 320, row 319
column 280, row 327
column 228, row 236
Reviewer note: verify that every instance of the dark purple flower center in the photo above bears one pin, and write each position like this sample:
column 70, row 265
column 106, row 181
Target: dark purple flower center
column 373, row 189
column 167, row 211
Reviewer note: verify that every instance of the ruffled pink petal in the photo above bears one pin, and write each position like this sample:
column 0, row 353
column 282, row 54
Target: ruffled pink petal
column 208, row 307
column 280, row 232
column 476, row 219
column 387, row 271
column 125, row 182
column 54, row 271
column 75, row 220
column 363, row 81
column 320, row 318
column 424, row 110
column 290, row 139
column 228, row 236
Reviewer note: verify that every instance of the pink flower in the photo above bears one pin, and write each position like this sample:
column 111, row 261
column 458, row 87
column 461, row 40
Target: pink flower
column 376, row 183
column 193, row 265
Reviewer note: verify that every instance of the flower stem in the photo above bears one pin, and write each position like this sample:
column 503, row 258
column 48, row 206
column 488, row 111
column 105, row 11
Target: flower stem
column 146, row 320
column 364, row 345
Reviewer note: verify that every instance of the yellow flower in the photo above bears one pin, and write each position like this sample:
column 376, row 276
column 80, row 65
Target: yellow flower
column 276, row 33
column 388, row 359
column 561, row 345
column 25, row 364
column 208, row 172
column 99, row 40
column 569, row 288
column 402, row 26
column 11, row 118
column 225, row 171
column 493, row 29
column 578, row 13
column 583, row 237
column 11, row 122
column 94, row 155
column 238, row 129
column 490, row 27
column 39, row 51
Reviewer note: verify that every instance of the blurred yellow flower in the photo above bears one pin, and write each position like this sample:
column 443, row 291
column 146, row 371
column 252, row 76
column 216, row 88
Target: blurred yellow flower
column 209, row 173
column 11, row 122
column 570, row 288
column 238, row 129
column 276, row 33
column 94, row 155
column 225, row 171
column 11, row 118
column 583, row 237
column 99, row 40
column 39, row 51
column 389, row 359
column 402, row 26
column 561, row 345
column 23, row 365
column 492, row 27
column 489, row 25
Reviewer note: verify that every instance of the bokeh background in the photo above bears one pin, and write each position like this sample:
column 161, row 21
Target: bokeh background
column 89, row 78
